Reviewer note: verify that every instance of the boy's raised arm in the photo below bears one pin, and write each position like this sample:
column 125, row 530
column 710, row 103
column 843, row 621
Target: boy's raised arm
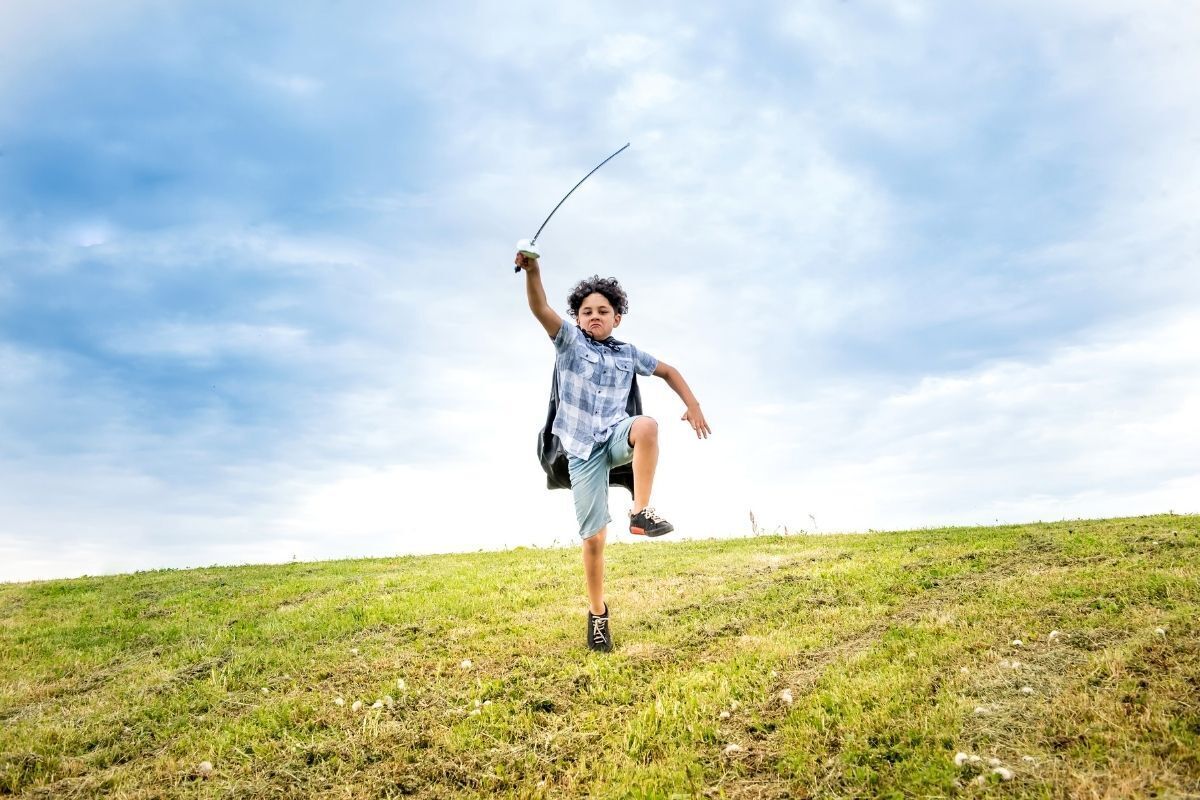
column 551, row 321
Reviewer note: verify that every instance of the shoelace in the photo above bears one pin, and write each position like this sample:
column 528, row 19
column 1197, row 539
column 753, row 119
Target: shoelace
column 598, row 625
column 652, row 515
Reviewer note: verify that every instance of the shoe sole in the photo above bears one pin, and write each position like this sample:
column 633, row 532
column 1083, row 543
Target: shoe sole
column 642, row 532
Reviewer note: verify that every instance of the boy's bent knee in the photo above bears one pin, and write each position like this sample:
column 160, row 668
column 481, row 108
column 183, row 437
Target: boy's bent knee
column 643, row 428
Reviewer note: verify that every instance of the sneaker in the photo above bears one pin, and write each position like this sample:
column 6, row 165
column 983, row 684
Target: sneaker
column 647, row 522
column 599, row 636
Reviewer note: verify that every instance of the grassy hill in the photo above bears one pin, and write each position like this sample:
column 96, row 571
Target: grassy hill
column 831, row 666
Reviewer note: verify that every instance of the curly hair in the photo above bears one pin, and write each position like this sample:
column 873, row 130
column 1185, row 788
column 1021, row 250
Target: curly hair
column 608, row 287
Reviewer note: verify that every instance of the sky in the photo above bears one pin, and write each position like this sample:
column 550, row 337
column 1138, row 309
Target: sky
column 922, row 263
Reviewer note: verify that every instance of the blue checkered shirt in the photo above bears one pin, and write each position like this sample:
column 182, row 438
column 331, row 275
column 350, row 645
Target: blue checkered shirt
column 593, row 387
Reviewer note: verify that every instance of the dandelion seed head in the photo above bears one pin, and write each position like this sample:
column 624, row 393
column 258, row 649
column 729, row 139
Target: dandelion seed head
column 1026, row 690
column 1016, row 643
column 1160, row 631
column 205, row 768
column 265, row 690
column 337, row 701
column 732, row 748
column 353, row 651
column 357, row 706
column 963, row 670
column 1004, row 773
column 723, row 715
column 1054, row 634
column 981, row 709
column 994, row 762
column 467, row 663
column 786, row 696
column 961, row 758
column 388, row 701
column 377, row 704
column 400, row 684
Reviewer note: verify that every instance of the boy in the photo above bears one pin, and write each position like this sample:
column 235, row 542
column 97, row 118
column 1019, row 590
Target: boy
column 594, row 374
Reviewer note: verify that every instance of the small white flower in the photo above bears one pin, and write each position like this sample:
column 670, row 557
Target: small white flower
column 357, row 706
column 732, row 748
column 960, row 759
column 265, row 690
column 377, row 704
column 981, row 709
column 353, row 651
column 467, row 663
column 1054, row 635
column 475, row 711
column 1026, row 690
column 337, row 701
column 1160, row 631
column 975, row 759
column 205, row 768
column 734, row 705
column 388, row 701
column 478, row 703
column 400, row 684
column 487, row 702
column 1016, row 643
column 981, row 780
column 786, row 696
column 994, row 762
column 963, row 670
column 1005, row 774
column 723, row 715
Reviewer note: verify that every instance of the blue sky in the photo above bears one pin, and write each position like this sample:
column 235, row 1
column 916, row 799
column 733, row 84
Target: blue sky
column 922, row 263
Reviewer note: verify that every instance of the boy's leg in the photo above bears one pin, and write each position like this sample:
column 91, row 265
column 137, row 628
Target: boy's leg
column 589, row 486
column 641, row 448
column 643, row 435
column 593, row 570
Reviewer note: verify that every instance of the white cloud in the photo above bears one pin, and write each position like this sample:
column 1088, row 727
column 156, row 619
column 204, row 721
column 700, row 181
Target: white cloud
column 208, row 342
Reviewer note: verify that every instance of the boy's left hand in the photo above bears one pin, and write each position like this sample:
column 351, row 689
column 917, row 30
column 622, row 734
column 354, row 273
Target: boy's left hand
column 695, row 417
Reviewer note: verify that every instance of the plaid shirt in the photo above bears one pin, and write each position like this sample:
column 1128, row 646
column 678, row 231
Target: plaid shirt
column 593, row 387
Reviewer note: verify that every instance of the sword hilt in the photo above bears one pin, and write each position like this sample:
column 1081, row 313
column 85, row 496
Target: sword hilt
column 526, row 248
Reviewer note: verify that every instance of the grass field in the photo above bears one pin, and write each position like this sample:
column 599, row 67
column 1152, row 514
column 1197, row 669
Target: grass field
column 798, row 666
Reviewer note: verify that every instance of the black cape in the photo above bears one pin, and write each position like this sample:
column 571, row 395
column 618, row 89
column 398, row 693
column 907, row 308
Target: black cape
column 554, row 459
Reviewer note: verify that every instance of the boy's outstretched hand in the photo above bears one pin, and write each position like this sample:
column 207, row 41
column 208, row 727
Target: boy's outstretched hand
column 525, row 262
column 695, row 417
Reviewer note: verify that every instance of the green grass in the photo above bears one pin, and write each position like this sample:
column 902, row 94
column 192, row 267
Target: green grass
column 121, row 686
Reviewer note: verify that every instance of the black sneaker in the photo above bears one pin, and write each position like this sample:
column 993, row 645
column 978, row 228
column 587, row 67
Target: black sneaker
column 647, row 522
column 599, row 636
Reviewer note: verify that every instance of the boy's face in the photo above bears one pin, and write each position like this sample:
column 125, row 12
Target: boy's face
column 596, row 316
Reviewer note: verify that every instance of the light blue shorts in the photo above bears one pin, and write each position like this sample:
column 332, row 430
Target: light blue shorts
column 589, row 479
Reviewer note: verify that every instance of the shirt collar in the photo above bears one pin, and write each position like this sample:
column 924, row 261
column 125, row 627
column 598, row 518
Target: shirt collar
column 610, row 342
